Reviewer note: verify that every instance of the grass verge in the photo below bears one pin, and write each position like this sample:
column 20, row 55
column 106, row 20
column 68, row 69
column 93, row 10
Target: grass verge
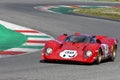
column 113, row 13
column 109, row 0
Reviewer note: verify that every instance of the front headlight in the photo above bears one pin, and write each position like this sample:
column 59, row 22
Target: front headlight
column 88, row 53
column 49, row 50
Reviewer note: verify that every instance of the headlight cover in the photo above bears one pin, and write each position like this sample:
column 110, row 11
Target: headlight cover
column 88, row 53
column 48, row 51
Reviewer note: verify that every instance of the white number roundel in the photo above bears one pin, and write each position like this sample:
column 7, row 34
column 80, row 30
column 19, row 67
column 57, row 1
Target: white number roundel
column 68, row 54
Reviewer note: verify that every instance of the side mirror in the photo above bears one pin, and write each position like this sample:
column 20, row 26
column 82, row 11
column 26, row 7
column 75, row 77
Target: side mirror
column 62, row 37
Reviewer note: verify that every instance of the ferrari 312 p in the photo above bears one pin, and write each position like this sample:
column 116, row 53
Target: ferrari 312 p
column 82, row 48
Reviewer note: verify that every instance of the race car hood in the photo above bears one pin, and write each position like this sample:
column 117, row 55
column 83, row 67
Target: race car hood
column 73, row 46
column 71, row 50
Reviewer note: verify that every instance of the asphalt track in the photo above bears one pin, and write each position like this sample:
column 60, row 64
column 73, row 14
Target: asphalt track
column 28, row 67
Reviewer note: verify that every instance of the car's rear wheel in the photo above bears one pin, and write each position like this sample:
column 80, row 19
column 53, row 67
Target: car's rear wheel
column 99, row 57
column 113, row 55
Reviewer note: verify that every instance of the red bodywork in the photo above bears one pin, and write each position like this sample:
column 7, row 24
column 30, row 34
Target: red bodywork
column 70, row 51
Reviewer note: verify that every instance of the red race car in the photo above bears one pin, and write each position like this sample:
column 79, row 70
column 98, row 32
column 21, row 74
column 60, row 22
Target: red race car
column 80, row 48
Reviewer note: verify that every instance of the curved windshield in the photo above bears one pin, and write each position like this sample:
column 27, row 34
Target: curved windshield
column 79, row 39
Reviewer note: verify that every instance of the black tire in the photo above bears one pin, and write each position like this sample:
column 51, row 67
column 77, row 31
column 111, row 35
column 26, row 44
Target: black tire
column 113, row 55
column 99, row 57
column 44, row 61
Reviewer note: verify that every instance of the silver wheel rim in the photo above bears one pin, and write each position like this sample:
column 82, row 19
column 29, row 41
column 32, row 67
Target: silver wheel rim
column 99, row 58
column 114, row 53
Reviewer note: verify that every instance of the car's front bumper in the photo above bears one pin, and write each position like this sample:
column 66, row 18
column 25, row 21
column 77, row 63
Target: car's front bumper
column 78, row 58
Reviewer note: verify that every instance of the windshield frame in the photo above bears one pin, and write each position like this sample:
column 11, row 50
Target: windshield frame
column 80, row 39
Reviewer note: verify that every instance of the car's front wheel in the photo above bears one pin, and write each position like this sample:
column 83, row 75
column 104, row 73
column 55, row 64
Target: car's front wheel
column 99, row 57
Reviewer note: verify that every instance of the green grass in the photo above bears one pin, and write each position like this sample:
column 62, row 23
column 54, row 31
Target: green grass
column 109, row 0
column 101, row 12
